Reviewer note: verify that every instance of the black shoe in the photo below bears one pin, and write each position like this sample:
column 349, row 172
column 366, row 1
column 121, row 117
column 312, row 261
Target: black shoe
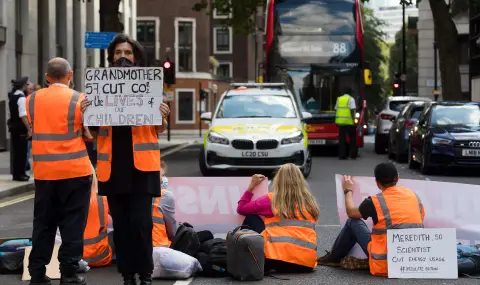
column 146, row 279
column 129, row 279
column 21, row 178
column 74, row 280
column 41, row 281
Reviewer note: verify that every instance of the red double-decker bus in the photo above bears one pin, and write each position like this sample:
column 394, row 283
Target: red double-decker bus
column 316, row 48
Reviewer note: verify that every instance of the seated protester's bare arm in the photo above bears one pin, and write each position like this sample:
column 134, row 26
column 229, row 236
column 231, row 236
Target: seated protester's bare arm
column 365, row 210
column 167, row 206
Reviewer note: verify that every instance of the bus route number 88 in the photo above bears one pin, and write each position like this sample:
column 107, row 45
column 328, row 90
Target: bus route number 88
column 339, row 48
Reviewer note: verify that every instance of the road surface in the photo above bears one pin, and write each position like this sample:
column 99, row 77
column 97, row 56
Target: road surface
column 16, row 219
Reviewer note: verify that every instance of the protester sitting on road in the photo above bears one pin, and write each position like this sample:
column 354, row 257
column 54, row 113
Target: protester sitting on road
column 290, row 214
column 164, row 222
column 395, row 208
column 96, row 249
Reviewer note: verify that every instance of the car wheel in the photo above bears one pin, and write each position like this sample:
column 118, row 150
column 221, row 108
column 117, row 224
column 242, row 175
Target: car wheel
column 412, row 164
column 308, row 165
column 203, row 164
column 425, row 167
column 379, row 146
column 400, row 157
column 391, row 155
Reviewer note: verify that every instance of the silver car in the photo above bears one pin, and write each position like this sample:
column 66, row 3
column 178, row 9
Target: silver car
column 393, row 106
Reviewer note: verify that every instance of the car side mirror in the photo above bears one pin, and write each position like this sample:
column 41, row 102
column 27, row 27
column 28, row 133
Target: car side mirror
column 376, row 112
column 306, row 115
column 393, row 119
column 207, row 116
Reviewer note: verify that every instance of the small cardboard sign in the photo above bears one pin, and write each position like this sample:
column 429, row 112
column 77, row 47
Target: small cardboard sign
column 126, row 96
column 53, row 268
column 422, row 253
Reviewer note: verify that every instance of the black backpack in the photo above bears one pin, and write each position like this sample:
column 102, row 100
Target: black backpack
column 186, row 240
column 212, row 255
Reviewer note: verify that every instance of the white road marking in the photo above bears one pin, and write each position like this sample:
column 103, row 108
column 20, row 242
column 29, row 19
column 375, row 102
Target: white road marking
column 175, row 149
column 184, row 282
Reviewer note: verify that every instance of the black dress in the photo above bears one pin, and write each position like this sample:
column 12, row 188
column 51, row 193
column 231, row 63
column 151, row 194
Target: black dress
column 129, row 192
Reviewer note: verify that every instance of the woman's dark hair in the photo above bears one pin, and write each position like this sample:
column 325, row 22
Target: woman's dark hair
column 138, row 51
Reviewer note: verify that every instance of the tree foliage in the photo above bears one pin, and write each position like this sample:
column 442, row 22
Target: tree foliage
column 396, row 56
column 374, row 56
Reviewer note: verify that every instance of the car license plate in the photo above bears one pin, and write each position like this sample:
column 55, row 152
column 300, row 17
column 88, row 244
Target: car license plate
column 316, row 142
column 471, row 152
column 255, row 153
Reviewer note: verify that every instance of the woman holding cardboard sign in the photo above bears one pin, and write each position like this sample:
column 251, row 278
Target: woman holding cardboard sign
column 128, row 170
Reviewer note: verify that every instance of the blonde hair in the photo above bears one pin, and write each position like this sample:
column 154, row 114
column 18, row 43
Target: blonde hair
column 291, row 195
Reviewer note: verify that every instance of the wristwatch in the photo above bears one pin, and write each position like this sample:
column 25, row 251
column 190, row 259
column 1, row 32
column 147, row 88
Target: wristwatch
column 346, row 191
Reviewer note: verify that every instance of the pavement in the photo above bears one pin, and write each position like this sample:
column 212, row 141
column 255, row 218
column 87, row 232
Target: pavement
column 182, row 160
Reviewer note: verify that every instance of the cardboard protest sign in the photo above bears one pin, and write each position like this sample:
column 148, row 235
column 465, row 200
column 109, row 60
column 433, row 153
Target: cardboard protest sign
column 53, row 268
column 126, row 96
column 422, row 254
column 210, row 203
column 447, row 205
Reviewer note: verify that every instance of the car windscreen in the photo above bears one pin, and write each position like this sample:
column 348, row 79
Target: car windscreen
column 466, row 115
column 397, row 106
column 256, row 106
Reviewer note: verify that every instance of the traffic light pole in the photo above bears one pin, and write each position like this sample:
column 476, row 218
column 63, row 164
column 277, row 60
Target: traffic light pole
column 168, row 119
column 199, row 109
column 404, row 53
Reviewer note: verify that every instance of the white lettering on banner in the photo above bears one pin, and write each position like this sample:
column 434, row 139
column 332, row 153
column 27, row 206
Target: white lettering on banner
column 185, row 198
column 447, row 205
column 127, row 96
column 211, row 201
column 217, row 198
column 422, row 253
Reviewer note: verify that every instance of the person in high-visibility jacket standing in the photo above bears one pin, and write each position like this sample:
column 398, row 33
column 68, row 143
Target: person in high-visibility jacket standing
column 128, row 172
column 345, row 120
column 63, row 175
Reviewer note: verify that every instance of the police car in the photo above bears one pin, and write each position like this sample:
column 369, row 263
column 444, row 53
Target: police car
column 255, row 126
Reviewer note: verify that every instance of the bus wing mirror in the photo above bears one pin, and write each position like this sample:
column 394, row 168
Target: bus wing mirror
column 207, row 116
column 306, row 115
column 368, row 76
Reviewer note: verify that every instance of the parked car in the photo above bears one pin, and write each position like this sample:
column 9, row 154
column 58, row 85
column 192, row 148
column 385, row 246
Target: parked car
column 402, row 128
column 447, row 135
column 393, row 106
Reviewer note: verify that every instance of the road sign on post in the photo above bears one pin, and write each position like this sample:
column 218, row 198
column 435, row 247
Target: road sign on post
column 98, row 40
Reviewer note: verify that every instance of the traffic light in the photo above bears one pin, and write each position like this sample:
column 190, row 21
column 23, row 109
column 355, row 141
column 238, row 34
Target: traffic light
column 396, row 85
column 204, row 94
column 169, row 72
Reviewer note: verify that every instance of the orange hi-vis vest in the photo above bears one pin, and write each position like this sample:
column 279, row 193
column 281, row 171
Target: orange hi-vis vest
column 96, row 249
column 58, row 149
column 291, row 240
column 146, row 150
column 397, row 208
column 159, row 233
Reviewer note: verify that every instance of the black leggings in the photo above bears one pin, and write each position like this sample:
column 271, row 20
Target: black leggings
column 255, row 223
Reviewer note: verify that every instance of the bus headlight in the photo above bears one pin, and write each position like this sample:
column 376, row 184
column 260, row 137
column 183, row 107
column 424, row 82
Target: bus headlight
column 296, row 137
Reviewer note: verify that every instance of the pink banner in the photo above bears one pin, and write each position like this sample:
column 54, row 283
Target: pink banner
column 211, row 203
column 447, row 205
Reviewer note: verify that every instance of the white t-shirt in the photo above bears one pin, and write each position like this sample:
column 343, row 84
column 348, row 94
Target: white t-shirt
column 22, row 104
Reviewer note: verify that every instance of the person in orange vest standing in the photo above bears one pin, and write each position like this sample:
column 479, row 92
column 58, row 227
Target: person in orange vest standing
column 63, row 175
column 164, row 221
column 96, row 250
column 394, row 208
column 128, row 171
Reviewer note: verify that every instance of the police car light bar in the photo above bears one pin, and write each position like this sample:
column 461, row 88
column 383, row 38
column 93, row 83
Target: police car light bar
column 258, row 85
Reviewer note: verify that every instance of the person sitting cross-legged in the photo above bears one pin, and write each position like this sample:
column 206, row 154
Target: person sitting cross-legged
column 394, row 208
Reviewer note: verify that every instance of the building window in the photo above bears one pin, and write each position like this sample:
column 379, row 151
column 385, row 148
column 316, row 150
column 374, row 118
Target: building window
column 185, row 106
column 186, row 45
column 147, row 34
column 222, row 40
column 217, row 14
column 224, row 69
